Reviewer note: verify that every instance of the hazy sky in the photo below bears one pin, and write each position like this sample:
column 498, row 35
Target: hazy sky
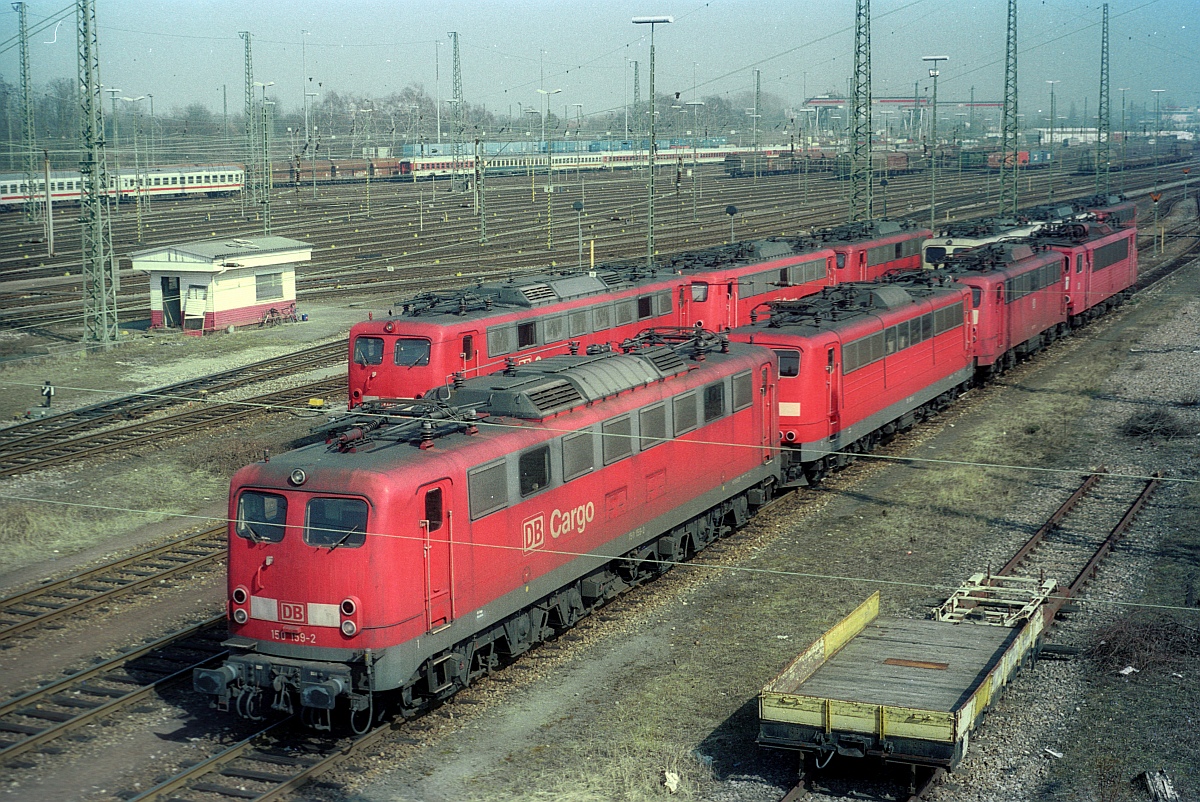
column 183, row 52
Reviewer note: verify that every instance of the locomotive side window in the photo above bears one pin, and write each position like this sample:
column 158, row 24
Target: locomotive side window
column 555, row 328
column 652, row 426
column 468, row 346
column 526, row 334
column 789, row 363
column 699, row 291
column 743, row 391
column 626, row 311
column 889, row 341
column 645, row 307
column 500, row 340
column 714, row 401
column 617, row 439
column 433, row 509
column 335, row 522
column 261, row 516
column 1079, row 263
column 487, row 487
column 685, row 413
column 578, row 456
column 579, row 323
column 603, row 315
column 664, row 302
column 411, row 352
column 533, row 470
column 368, row 350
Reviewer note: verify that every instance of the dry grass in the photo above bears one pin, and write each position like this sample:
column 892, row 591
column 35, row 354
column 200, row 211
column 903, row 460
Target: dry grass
column 1156, row 423
column 64, row 517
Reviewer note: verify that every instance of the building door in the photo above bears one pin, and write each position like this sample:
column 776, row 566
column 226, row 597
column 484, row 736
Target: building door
column 172, row 312
column 437, row 528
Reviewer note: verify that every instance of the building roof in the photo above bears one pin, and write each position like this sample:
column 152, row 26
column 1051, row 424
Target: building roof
column 218, row 255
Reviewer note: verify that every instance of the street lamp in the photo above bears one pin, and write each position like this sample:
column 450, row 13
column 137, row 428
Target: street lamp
column 310, row 142
column 933, row 73
column 578, row 207
column 546, row 93
column 1053, row 161
column 1157, row 131
column 1124, row 136
column 651, row 21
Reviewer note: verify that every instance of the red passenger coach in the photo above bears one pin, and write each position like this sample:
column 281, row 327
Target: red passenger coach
column 479, row 330
column 859, row 362
column 411, row 555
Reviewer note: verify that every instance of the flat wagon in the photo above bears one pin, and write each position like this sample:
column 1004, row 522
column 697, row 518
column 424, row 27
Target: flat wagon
column 905, row 690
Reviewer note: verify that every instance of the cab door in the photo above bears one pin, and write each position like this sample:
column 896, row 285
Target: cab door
column 833, row 381
column 436, row 529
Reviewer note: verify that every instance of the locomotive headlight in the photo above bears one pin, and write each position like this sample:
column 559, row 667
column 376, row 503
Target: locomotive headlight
column 349, row 628
column 240, row 616
column 298, row 477
column 240, row 595
column 349, row 606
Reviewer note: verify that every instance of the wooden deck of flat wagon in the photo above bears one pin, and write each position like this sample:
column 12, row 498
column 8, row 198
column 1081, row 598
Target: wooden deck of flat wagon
column 906, row 690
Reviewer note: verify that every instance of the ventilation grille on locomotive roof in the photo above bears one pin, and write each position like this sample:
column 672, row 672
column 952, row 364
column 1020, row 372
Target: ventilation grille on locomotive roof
column 667, row 361
column 555, row 396
column 535, row 293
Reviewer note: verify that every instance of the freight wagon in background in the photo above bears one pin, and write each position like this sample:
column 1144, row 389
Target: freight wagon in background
column 1025, row 158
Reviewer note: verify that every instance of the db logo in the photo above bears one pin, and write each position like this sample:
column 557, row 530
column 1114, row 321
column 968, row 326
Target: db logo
column 291, row 612
column 533, row 532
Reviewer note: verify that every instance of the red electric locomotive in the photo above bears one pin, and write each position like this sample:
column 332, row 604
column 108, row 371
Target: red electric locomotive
column 1018, row 299
column 859, row 362
column 873, row 249
column 1114, row 210
column 412, row 555
column 479, row 330
column 1104, row 265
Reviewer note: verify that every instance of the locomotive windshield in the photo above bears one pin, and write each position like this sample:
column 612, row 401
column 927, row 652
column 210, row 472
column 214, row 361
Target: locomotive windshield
column 335, row 522
column 411, row 352
column 261, row 516
column 789, row 363
column 368, row 351
column 934, row 254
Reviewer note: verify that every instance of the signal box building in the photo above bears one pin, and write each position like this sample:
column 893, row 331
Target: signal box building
column 212, row 284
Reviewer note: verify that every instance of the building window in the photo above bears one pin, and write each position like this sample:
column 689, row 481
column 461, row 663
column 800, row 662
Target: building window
column 268, row 287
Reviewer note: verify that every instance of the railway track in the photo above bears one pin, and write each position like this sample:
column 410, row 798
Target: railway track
column 65, row 425
column 35, row 608
column 356, row 260
column 1073, row 536
column 32, row 719
column 36, row 456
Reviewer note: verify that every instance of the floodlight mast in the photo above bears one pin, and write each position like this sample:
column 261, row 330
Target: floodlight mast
column 651, row 21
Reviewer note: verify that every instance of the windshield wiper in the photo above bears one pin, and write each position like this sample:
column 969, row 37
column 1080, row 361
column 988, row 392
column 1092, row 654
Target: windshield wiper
column 255, row 536
column 343, row 538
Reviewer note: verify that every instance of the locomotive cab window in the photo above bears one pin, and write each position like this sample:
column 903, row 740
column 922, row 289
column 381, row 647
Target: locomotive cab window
column 411, row 352
column 368, row 350
column 335, row 522
column 789, row 363
column 261, row 516
column 699, row 291
column 468, row 347
column 533, row 468
column 841, row 260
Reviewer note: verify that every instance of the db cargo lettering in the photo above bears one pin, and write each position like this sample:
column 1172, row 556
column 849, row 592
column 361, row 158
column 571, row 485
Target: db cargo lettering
column 576, row 520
